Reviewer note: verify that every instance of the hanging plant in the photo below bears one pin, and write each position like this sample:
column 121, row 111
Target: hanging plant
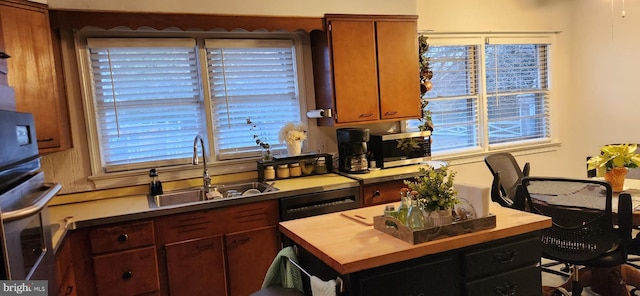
column 425, row 83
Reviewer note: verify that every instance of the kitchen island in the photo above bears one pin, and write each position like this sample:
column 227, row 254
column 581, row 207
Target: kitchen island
column 500, row 261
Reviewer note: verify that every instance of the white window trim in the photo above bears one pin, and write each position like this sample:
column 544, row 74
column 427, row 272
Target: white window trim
column 477, row 154
column 104, row 180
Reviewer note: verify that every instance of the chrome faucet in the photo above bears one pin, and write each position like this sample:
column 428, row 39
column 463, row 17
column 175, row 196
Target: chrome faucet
column 205, row 175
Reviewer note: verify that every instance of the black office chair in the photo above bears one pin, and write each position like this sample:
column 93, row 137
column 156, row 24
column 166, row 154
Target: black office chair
column 506, row 179
column 582, row 231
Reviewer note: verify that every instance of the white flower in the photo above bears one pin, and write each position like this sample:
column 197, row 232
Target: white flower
column 292, row 132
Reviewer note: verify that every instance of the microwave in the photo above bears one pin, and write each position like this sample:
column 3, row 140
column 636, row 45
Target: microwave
column 398, row 149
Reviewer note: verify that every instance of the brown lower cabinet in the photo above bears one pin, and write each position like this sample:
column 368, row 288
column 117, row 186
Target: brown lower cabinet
column 222, row 251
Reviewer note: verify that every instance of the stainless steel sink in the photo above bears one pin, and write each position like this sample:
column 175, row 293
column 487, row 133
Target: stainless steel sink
column 191, row 195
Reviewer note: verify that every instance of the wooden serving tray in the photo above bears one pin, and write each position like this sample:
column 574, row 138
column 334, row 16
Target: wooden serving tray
column 393, row 227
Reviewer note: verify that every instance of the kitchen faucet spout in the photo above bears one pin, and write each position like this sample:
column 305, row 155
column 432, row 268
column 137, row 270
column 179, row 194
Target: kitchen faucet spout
column 205, row 175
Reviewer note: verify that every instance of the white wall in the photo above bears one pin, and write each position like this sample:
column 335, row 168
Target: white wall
column 246, row 7
column 594, row 60
column 517, row 16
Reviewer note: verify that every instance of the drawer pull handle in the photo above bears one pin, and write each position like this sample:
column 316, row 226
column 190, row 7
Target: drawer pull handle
column 506, row 289
column 366, row 115
column 127, row 275
column 68, row 291
column 391, row 113
column 45, row 140
column 506, row 256
column 4, row 55
column 376, row 193
column 123, row 237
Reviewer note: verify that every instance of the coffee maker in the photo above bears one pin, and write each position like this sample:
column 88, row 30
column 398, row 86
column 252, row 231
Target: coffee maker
column 352, row 150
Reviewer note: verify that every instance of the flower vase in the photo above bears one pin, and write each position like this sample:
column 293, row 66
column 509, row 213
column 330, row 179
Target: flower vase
column 439, row 218
column 266, row 154
column 615, row 177
column 294, row 148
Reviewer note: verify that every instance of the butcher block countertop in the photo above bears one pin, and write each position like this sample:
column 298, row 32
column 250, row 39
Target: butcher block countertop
column 348, row 246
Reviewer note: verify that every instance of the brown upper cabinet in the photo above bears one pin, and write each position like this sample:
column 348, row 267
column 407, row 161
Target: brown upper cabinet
column 366, row 69
column 32, row 73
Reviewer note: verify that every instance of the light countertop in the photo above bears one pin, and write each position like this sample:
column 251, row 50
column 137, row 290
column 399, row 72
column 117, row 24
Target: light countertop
column 349, row 246
column 134, row 207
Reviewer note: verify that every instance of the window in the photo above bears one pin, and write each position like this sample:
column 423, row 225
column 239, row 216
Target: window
column 150, row 97
column 488, row 94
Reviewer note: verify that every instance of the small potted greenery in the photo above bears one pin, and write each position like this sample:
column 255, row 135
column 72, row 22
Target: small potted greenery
column 436, row 194
column 614, row 160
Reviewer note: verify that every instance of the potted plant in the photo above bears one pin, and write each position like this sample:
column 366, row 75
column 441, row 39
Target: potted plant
column 260, row 141
column 615, row 160
column 436, row 194
column 293, row 134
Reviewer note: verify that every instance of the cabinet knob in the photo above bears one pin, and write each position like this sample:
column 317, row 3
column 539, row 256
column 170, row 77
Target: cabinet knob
column 506, row 289
column 123, row 237
column 376, row 193
column 4, row 55
column 506, row 256
column 127, row 275
column 68, row 291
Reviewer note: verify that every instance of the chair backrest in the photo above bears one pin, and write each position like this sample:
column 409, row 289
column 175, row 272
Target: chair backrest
column 506, row 178
column 581, row 213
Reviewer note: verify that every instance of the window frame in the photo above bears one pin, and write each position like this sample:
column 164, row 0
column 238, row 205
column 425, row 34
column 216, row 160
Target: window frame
column 176, row 169
column 476, row 153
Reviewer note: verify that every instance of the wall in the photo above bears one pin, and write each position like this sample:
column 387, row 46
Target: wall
column 517, row 16
column 246, row 7
column 576, row 102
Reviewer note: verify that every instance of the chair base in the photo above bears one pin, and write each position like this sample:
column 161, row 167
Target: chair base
column 610, row 281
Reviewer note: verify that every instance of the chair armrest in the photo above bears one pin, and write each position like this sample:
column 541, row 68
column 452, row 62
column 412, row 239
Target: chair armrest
column 625, row 218
column 526, row 169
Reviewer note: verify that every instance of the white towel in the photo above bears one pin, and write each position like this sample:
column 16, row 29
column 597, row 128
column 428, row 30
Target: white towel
column 322, row 288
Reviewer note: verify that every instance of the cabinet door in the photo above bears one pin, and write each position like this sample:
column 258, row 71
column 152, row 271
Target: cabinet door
column 355, row 74
column 27, row 38
column 131, row 272
column 383, row 192
column 249, row 255
column 398, row 69
column 3, row 61
column 196, row 267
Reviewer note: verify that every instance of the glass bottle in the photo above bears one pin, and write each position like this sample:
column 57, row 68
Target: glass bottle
column 403, row 208
column 415, row 215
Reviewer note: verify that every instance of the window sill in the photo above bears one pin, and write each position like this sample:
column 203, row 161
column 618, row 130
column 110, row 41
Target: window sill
column 229, row 171
column 478, row 156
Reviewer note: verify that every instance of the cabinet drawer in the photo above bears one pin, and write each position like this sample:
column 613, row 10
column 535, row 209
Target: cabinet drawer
column 384, row 192
column 501, row 258
column 121, row 237
column 250, row 216
column 524, row 281
column 131, row 272
column 188, row 226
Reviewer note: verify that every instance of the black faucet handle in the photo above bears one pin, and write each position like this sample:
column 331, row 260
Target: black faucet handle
column 153, row 173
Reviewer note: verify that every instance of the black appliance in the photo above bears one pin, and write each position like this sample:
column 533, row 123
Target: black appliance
column 398, row 149
column 25, row 235
column 352, row 150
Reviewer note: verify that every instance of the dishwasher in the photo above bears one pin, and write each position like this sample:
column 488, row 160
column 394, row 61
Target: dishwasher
column 311, row 204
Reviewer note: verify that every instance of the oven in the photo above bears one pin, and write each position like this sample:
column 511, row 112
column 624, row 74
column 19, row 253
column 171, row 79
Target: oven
column 25, row 232
column 311, row 204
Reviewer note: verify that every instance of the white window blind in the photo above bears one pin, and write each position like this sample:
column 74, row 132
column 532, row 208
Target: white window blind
column 517, row 92
column 453, row 101
column 251, row 79
column 146, row 100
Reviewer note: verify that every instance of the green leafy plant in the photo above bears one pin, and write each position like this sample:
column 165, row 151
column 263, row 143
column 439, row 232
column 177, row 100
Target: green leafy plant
column 425, row 84
column 260, row 141
column 435, row 188
column 612, row 156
